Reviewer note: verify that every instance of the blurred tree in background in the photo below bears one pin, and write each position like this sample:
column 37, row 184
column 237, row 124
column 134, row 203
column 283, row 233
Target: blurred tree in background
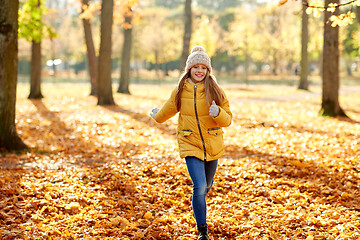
column 104, row 79
column 245, row 40
column 249, row 37
column 9, row 139
column 33, row 29
column 188, row 19
column 128, row 19
column 330, row 105
column 90, row 48
column 275, row 31
column 304, row 62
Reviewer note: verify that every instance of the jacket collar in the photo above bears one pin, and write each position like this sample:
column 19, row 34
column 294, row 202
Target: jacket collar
column 189, row 85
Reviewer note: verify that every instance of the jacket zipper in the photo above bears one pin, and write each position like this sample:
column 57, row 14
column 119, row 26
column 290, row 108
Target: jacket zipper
column 198, row 123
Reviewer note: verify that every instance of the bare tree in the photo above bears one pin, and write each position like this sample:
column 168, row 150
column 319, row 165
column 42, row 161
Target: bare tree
column 35, row 76
column 187, row 34
column 105, row 96
column 9, row 139
column 90, row 52
column 304, row 63
column 330, row 68
column 125, row 58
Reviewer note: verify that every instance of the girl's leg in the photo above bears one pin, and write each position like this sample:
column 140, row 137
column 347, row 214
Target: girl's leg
column 196, row 169
column 210, row 170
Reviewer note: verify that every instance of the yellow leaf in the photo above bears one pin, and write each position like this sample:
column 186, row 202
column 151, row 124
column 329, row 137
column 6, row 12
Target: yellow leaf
column 119, row 220
column 297, row 163
column 345, row 196
column 37, row 218
column 48, row 197
column 56, row 232
column 282, row 2
column 148, row 215
column 72, row 206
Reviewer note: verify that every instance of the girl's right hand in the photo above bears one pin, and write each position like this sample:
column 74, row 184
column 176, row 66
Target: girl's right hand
column 214, row 110
column 153, row 112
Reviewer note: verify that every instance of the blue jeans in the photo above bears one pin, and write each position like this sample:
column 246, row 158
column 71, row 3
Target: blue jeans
column 202, row 175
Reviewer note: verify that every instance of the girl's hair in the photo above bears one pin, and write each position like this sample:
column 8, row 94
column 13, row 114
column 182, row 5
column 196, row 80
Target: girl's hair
column 212, row 89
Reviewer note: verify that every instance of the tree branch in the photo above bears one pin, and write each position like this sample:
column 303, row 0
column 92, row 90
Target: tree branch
column 306, row 3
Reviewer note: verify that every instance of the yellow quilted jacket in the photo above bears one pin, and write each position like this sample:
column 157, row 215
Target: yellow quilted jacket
column 198, row 134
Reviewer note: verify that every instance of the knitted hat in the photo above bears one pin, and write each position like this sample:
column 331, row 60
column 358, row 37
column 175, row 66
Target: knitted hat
column 198, row 56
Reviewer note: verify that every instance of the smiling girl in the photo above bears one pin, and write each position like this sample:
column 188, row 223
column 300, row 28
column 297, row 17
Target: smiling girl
column 203, row 110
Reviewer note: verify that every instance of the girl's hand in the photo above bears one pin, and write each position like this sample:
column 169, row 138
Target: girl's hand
column 214, row 109
column 153, row 112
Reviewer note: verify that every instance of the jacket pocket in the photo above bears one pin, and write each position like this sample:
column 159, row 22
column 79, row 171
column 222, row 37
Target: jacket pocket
column 186, row 133
column 186, row 140
column 215, row 131
column 216, row 143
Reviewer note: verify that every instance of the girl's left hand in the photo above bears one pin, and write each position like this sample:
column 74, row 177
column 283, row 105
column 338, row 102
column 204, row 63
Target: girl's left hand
column 153, row 112
column 214, row 109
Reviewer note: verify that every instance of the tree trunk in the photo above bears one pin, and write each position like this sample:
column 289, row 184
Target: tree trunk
column 157, row 67
column 304, row 62
column 125, row 59
column 9, row 139
column 358, row 14
column 246, row 62
column 35, row 77
column 105, row 96
column 275, row 64
column 330, row 78
column 90, row 52
column 187, row 34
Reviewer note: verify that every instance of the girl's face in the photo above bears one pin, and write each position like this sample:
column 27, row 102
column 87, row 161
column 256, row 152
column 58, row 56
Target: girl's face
column 198, row 73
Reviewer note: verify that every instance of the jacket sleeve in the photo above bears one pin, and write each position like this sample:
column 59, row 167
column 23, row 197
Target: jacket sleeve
column 168, row 110
column 225, row 116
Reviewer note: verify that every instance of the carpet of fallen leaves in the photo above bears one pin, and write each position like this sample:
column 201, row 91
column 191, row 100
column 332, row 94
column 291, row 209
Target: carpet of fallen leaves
column 98, row 172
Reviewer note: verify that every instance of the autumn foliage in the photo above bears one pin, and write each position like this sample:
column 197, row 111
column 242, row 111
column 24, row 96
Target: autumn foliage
column 113, row 173
column 122, row 9
column 316, row 7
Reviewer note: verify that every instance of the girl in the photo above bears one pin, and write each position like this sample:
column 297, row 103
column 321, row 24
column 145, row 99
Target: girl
column 203, row 109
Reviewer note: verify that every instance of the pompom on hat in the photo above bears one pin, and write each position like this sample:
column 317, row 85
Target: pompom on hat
column 198, row 56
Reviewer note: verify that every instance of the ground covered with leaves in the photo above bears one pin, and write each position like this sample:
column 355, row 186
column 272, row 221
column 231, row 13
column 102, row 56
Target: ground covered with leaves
column 113, row 173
